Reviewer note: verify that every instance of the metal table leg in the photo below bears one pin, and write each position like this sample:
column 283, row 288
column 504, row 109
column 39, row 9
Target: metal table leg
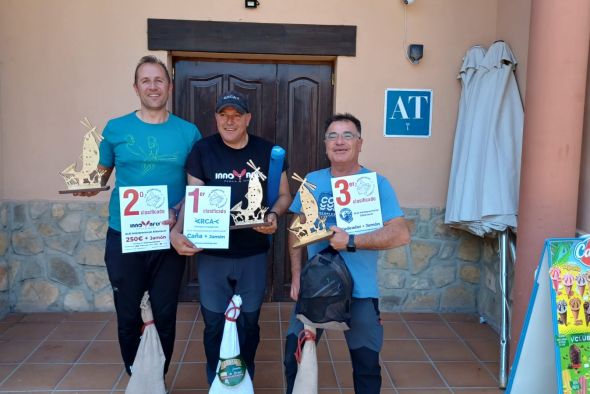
column 503, row 374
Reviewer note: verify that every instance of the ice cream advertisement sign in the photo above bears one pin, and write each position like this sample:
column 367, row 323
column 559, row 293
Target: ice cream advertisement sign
column 569, row 275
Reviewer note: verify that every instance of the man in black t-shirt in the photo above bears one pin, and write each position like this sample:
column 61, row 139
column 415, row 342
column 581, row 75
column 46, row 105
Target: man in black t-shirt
column 220, row 160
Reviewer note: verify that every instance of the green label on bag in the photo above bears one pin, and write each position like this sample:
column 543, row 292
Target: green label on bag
column 231, row 371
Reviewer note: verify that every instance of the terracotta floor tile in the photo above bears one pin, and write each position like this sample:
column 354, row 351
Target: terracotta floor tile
column 58, row 352
column 404, row 362
column 28, row 331
column 396, row 330
column 344, row 374
column 285, row 311
column 13, row 318
column 321, row 350
column 334, row 334
column 270, row 330
column 187, row 311
column 36, row 377
column 6, row 369
column 102, row 352
column 197, row 332
column 103, row 377
column 447, row 350
column 494, row 368
column 108, row 332
column 91, row 316
column 485, row 350
column 474, row 331
column 466, row 374
column 268, row 375
column 75, row 330
column 391, row 316
column 414, row 374
column 195, row 352
column 478, row 391
column 460, row 317
column 338, row 350
column 183, row 330
column 421, row 317
column 4, row 327
column 431, row 330
column 269, row 350
column 16, row 351
column 402, row 350
column 326, row 376
column 270, row 312
column 191, row 376
column 46, row 317
column 179, row 350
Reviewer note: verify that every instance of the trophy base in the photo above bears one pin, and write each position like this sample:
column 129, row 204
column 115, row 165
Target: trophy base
column 249, row 225
column 312, row 238
column 94, row 189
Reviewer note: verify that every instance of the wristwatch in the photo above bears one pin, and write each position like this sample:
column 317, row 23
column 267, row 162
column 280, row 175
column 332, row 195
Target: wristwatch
column 351, row 246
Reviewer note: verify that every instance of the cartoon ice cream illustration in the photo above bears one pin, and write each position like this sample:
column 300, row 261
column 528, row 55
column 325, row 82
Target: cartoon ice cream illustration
column 562, row 311
column 575, row 357
column 568, row 281
column 555, row 274
column 575, row 304
column 581, row 281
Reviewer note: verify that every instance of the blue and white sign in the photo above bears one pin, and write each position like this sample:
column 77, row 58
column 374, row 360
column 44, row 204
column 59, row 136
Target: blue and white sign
column 408, row 113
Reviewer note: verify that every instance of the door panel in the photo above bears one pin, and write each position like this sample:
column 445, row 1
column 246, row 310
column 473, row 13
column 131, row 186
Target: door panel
column 288, row 102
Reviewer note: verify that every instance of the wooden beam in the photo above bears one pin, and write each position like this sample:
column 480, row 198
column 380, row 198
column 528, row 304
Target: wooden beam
column 242, row 37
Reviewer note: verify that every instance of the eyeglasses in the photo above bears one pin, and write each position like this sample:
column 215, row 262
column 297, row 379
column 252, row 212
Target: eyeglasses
column 347, row 135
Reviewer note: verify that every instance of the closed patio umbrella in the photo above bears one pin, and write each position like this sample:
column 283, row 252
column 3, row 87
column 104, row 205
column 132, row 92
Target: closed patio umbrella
column 485, row 170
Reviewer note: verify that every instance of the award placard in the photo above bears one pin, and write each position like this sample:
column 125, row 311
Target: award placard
column 569, row 273
column 309, row 227
column 356, row 203
column 143, row 209
column 87, row 178
column 206, row 216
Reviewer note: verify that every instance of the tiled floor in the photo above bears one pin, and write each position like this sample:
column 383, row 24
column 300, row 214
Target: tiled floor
column 78, row 353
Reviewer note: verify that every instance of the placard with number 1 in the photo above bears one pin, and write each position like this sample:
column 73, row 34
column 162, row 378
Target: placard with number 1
column 206, row 216
column 143, row 209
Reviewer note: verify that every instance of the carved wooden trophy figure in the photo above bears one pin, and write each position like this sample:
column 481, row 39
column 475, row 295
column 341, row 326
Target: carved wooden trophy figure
column 313, row 228
column 253, row 214
column 88, row 178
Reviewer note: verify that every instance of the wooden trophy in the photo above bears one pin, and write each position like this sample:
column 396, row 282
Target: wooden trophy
column 253, row 214
column 313, row 229
column 88, row 178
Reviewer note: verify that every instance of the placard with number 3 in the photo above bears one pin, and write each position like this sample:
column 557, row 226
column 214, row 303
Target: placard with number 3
column 356, row 203
column 143, row 209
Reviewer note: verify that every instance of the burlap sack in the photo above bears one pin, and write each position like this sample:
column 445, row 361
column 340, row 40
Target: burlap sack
column 306, row 381
column 232, row 375
column 148, row 366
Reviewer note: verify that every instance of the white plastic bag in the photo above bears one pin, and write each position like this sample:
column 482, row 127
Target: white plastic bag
column 231, row 375
column 148, row 366
column 306, row 381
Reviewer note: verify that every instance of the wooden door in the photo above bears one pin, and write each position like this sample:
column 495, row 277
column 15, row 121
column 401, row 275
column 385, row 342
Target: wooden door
column 289, row 103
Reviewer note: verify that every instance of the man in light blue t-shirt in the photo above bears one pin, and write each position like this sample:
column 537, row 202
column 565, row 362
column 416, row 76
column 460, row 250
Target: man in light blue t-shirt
column 365, row 338
column 147, row 147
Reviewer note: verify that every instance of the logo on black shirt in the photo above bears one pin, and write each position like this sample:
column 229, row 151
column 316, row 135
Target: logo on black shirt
column 235, row 175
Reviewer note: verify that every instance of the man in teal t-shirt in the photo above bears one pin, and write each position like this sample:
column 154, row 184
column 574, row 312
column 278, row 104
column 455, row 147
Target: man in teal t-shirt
column 147, row 147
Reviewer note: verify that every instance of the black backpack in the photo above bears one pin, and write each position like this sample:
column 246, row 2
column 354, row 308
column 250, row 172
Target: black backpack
column 326, row 292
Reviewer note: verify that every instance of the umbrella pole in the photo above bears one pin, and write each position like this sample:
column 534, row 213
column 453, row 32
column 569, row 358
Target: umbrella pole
column 503, row 374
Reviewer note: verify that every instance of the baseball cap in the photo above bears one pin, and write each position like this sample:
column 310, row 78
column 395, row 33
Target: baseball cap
column 232, row 99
